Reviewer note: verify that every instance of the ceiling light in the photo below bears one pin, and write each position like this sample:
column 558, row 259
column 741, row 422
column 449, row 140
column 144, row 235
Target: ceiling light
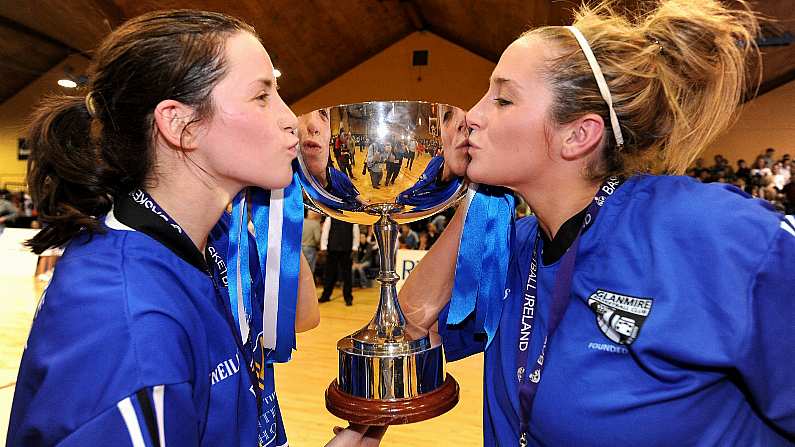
column 277, row 73
column 68, row 83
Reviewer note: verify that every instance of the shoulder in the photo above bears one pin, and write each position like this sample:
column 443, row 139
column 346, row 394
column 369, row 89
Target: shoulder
column 685, row 208
column 686, row 226
column 125, row 304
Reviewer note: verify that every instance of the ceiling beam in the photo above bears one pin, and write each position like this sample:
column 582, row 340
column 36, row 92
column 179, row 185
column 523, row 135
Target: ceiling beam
column 20, row 28
column 112, row 13
column 414, row 13
column 776, row 82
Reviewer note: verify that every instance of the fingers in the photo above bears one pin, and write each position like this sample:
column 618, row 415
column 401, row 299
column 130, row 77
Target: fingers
column 345, row 438
column 373, row 436
column 357, row 435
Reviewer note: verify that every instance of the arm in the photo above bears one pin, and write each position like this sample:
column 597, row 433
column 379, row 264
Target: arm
column 324, row 234
column 427, row 290
column 142, row 361
column 307, row 315
column 159, row 415
column 355, row 237
column 769, row 339
column 7, row 212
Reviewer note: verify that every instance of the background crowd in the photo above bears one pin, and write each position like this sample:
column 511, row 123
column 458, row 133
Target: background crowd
column 768, row 177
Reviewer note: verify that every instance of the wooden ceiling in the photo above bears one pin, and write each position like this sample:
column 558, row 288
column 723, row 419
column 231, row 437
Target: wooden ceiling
column 310, row 41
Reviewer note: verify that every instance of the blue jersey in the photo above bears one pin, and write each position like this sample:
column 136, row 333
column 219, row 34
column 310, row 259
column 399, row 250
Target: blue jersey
column 429, row 190
column 679, row 330
column 133, row 344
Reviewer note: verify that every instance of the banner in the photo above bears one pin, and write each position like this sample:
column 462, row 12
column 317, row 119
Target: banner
column 405, row 263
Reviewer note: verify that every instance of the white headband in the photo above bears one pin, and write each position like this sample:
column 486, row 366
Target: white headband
column 600, row 81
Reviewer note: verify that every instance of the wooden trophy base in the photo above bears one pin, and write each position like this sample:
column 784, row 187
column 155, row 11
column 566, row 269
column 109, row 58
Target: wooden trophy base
column 395, row 411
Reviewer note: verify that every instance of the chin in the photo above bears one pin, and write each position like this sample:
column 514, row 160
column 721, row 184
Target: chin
column 476, row 173
column 276, row 179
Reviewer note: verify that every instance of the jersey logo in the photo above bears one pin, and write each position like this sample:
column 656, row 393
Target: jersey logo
column 619, row 317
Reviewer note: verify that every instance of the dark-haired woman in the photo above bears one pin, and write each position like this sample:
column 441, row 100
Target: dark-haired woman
column 631, row 309
column 136, row 341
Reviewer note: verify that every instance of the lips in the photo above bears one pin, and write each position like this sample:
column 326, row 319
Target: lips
column 464, row 145
column 311, row 145
column 293, row 147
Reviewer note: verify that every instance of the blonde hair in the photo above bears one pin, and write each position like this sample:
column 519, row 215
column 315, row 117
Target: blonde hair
column 677, row 75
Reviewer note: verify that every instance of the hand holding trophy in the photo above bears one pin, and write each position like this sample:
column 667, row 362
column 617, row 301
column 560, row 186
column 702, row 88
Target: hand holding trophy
column 383, row 164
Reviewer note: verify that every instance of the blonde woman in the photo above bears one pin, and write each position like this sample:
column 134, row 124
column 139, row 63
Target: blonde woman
column 671, row 328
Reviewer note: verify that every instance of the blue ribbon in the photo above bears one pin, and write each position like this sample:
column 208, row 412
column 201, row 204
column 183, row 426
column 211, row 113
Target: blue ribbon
column 482, row 263
column 280, row 279
column 286, row 250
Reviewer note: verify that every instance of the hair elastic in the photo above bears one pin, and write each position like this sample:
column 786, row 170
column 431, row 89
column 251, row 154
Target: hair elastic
column 90, row 105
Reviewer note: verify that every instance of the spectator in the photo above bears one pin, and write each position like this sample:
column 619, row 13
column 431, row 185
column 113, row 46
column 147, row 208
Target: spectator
column 743, row 171
column 433, row 234
column 424, row 241
column 310, row 240
column 8, row 212
column 375, row 164
column 363, row 261
column 339, row 240
column 695, row 171
column 769, row 157
column 410, row 238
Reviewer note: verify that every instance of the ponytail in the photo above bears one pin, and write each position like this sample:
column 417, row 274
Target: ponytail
column 66, row 176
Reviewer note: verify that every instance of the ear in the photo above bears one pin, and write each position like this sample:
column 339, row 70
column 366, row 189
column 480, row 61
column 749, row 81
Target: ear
column 172, row 119
column 582, row 137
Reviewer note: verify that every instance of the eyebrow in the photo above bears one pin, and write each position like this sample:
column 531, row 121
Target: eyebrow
column 267, row 82
column 507, row 83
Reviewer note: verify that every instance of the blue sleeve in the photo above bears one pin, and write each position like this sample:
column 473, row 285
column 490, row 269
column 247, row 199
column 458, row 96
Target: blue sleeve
column 460, row 340
column 766, row 361
column 161, row 415
column 95, row 342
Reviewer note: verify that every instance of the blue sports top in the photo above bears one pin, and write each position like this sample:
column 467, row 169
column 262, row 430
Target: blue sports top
column 133, row 344
column 679, row 330
column 430, row 189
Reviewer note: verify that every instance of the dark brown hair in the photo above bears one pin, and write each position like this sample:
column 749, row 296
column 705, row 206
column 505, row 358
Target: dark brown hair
column 677, row 74
column 87, row 149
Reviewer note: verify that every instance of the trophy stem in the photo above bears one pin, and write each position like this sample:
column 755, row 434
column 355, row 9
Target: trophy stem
column 388, row 322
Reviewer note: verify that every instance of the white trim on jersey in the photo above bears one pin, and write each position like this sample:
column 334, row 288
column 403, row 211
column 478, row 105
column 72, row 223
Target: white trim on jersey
column 788, row 224
column 270, row 308
column 113, row 223
column 158, row 393
column 131, row 421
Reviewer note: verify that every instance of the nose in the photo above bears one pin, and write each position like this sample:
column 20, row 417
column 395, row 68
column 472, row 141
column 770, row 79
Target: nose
column 312, row 127
column 288, row 121
column 474, row 118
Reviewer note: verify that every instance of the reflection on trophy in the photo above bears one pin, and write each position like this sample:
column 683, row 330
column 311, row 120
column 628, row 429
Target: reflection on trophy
column 382, row 164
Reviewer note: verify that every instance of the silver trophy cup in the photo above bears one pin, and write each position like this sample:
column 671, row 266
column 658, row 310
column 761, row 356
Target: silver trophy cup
column 384, row 164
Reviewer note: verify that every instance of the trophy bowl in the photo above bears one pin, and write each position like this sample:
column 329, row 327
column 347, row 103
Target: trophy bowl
column 383, row 164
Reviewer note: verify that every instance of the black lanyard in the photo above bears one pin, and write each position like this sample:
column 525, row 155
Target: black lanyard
column 561, row 294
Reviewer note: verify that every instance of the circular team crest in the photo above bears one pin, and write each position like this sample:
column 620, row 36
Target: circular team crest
column 619, row 317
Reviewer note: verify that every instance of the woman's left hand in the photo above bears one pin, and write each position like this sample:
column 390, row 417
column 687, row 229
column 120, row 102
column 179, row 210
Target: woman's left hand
column 357, row 436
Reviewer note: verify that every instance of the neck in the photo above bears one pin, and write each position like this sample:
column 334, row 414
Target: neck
column 195, row 203
column 553, row 206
